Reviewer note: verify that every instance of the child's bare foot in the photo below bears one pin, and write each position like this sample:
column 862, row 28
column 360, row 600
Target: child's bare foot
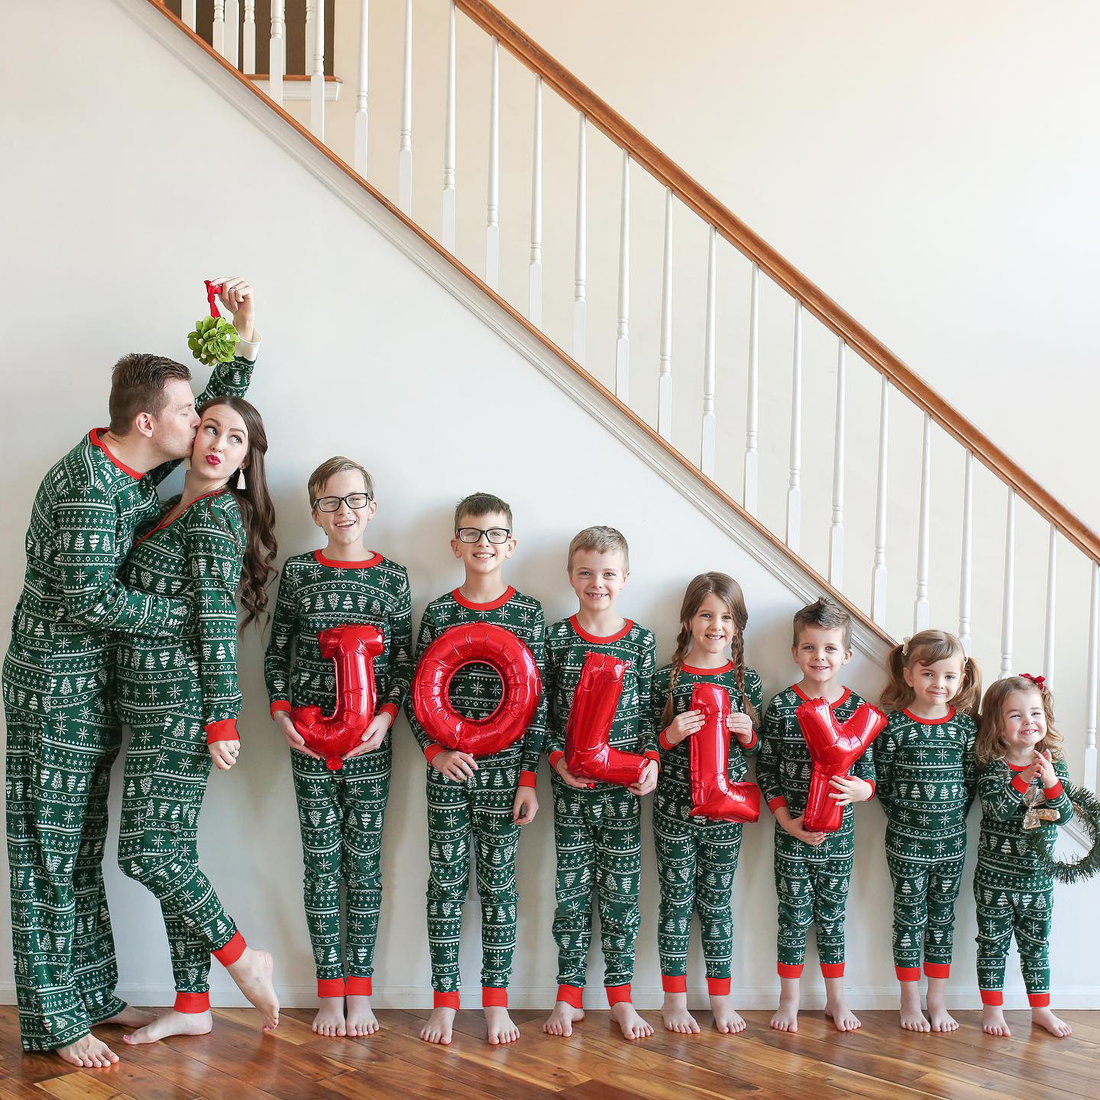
column 675, row 1014
column 786, row 1015
column 630, row 1023
column 993, row 1020
column 844, row 1019
column 498, row 1025
column 172, row 1023
column 361, row 1017
column 942, row 1020
column 252, row 973
column 912, row 1018
column 1046, row 1019
column 130, row 1017
column 88, row 1052
column 562, row 1019
column 329, row 1020
column 439, row 1026
column 726, row 1020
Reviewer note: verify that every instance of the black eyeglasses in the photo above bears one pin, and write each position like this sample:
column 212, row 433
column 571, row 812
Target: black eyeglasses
column 354, row 501
column 495, row 535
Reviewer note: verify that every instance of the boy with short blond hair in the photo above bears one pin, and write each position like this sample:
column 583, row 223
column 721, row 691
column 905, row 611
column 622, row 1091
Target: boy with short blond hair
column 480, row 802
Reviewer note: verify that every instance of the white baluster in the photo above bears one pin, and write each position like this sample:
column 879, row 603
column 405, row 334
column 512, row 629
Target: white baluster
column 1088, row 778
column 317, row 74
column 534, row 292
column 1048, row 633
column 1010, row 577
column 580, row 248
column 967, row 555
column 218, row 32
column 277, row 52
column 360, row 164
column 752, row 403
column 187, row 13
column 878, row 572
column 310, row 31
column 449, row 141
column 836, row 528
column 232, row 31
column 794, row 485
column 622, row 337
column 924, row 533
column 405, row 154
column 706, row 450
column 664, row 379
column 249, row 36
column 492, row 227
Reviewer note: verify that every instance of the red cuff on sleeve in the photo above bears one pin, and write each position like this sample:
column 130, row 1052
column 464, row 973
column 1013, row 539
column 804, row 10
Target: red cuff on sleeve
column 433, row 750
column 1020, row 783
column 744, row 747
column 872, row 782
column 652, row 754
column 225, row 730
column 555, row 756
column 663, row 741
column 1053, row 792
column 775, row 803
column 526, row 779
column 391, row 710
column 278, row 705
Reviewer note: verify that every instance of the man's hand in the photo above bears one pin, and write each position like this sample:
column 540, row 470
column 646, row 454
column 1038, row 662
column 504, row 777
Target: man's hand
column 647, row 781
column 293, row 738
column 525, row 806
column 237, row 297
column 373, row 736
column 455, row 765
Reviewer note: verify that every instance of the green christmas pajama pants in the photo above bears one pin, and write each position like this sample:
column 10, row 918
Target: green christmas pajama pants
column 812, row 887
column 598, row 840
column 1023, row 909
column 341, row 814
column 475, row 813
column 696, row 862
column 924, row 914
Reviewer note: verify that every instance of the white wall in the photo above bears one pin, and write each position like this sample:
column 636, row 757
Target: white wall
column 363, row 354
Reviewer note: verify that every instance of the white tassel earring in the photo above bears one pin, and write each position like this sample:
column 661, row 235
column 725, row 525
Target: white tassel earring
column 241, row 484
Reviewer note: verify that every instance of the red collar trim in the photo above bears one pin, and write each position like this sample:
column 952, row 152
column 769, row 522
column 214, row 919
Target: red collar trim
column 930, row 721
column 509, row 592
column 1016, row 767
column 166, row 522
column 374, row 559
column 93, row 438
column 691, row 670
column 832, row 706
column 628, row 625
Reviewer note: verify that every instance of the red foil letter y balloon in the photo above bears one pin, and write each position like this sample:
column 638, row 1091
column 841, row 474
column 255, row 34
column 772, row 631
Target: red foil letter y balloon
column 588, row 752
column 712, row 794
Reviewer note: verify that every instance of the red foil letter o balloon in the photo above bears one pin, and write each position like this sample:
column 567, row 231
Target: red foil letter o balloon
column 467, row 644
column 588, row 752
column 712, row 794
column 353, row 649
column 834, row 748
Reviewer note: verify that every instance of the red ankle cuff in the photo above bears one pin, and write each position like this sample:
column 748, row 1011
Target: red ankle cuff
column 832, row 970
column 674, row 983
column 192, row 1002
column 937, row 970
column 992, row 996
column 571, row 995
column 330, row 987
column 789, row 970
column 445, row 1000
column 718, row 987
column 1039, row 1000
column 358, row 987
column 907, row 973
column 617, row 993
column 232, row 951
column 493, row 995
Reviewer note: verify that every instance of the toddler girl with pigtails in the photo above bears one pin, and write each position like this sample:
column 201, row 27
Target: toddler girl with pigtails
column 924, row 764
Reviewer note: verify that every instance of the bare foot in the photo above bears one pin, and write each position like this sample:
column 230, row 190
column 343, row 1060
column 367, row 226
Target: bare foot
column 329, row 1020
column 911, row 1017
column 844, row 1019
column 942, row 1020
column 498, row 1025
column 993, row 1020
column 88, row 1052
column 675, row 1014
column 1045, row 1018
column 361, row 1017
column 786, row 1015
column 439, row 1026
column 252, row 973
column 630, row 1023
column 173, row 1023
column 562, row 1019
column 129, row 1017
column 726, row 1020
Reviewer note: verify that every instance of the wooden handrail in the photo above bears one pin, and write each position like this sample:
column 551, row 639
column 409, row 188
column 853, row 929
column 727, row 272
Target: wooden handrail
column 781, row 271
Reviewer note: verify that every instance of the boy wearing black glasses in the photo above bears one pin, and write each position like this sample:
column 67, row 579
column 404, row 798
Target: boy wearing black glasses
column 340, row 812
column 478, row 803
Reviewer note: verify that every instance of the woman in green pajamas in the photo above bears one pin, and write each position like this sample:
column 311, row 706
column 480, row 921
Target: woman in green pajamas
column 696, row 857
column 180, row 698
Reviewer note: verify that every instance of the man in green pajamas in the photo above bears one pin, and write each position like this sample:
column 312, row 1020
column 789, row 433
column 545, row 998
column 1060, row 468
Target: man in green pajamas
column 340, row 812
column 62, row 729
column 597, row 827
column 478, row 801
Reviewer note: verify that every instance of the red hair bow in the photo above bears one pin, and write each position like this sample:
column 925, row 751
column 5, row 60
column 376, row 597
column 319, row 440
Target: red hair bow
column 1039, row 681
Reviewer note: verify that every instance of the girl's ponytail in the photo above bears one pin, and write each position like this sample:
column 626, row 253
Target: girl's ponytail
column 968, row 698
column 897, row 694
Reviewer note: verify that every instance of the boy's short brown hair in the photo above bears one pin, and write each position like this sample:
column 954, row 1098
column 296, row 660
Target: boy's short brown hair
column 827, row 614
column 137, row 386
column 329, row 468
column 481, row 504
column 601, row 540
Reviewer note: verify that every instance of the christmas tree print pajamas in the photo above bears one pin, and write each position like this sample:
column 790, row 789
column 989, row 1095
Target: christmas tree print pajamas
column 811, row 883
column 1013, row 895
column 925, row 772
column 62, row 731
column 597, row 832
column 696, row 857
column 479, row 809
column 340, row 812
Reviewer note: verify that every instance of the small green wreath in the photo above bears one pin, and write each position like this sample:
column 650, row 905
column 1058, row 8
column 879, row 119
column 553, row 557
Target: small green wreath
column 1087, row 808
column 214, row 340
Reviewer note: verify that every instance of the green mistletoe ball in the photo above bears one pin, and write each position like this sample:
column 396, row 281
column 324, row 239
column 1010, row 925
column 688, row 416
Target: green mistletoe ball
column 214, row 340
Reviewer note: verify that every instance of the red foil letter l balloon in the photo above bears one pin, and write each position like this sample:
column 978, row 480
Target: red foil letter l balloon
column 353, row 649
column 834, row 748
column 712, row 794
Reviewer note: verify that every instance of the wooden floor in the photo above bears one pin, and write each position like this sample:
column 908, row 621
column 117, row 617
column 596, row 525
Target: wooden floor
column 880, row 1061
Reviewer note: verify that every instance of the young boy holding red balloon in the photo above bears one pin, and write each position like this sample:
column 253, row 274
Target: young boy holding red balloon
column 340, row 811
column 480, row 799
column 597, row 825
column 812, row 868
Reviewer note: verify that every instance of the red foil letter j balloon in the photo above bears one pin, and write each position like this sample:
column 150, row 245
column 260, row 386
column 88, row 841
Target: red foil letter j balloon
column 712, row 794
column 353, row 649
column 834, row 748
